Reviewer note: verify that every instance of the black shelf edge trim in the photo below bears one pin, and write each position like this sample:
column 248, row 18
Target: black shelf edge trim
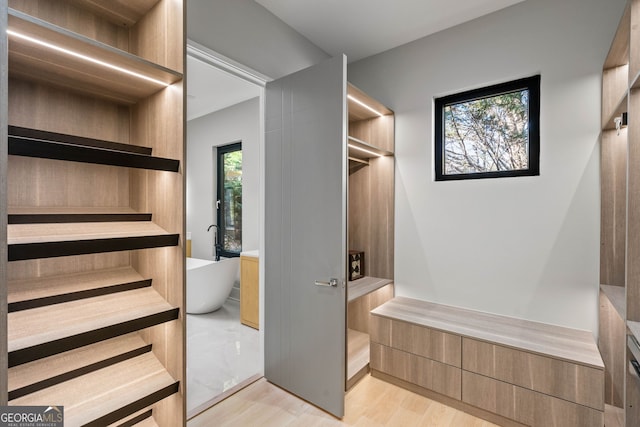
column 40, row 351
column 76, row 140
column 67, row 376
column 136, row 406
column 19, row 146
column 25, row 251
column 74, row 296
column 135, row 420
column 44, row 218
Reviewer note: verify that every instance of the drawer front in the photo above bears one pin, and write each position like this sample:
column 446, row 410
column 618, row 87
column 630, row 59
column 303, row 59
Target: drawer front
column 427, row 373
column 426, row 342
column 380, row 330
column 569, row 381
column 526, row 406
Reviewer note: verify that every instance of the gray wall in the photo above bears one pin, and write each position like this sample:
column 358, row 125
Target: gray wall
column 248, row 33
column 525, row 247
column 236, row 123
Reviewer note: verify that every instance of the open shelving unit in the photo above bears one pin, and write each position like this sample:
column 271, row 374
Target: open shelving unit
column 371, row 209
column 94, row 205
column 620, row 221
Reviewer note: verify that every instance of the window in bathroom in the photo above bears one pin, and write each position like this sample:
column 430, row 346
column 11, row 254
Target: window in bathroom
column 489, row 132
column 229, row 200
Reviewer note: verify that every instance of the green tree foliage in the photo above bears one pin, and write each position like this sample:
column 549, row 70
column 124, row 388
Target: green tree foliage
column 487, row 134
column 232, row 233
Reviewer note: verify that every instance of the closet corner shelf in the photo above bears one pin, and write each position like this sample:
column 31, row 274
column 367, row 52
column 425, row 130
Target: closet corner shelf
column 48, row 240
column 124, row 13
column 50, row 145
column 365, row 285
column 619, row 52
column 361, row 150
column 41, row 51
column 620, row 107
column 616, row 295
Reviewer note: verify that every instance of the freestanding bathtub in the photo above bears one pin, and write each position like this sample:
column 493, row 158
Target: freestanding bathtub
column 209, row 283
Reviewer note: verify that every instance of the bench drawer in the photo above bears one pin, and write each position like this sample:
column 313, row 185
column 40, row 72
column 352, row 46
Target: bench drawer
column 566, row 380
column 430, row 374
column 526, row 406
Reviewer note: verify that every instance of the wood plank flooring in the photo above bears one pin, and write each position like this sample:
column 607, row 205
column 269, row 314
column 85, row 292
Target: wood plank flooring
column 370, row 403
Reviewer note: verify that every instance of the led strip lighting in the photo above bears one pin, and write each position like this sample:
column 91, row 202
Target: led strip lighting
column 84, row 57
column 357, row 101
column 365, row 150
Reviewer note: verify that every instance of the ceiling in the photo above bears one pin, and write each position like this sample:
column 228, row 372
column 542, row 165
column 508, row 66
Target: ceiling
column 358, row 28
column 361, row 28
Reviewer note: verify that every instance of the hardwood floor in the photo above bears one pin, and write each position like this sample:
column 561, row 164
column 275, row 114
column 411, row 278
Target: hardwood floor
column 370, row 403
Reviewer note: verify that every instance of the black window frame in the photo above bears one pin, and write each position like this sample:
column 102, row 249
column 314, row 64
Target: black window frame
column 532, row 84
column 220, row 208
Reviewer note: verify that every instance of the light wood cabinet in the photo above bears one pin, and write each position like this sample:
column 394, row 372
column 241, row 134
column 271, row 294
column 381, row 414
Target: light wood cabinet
column 620, row 215
column 517, row 370
column 249, row 292
column 95, row 208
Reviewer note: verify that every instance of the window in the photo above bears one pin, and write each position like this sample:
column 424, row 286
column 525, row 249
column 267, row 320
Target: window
column 489, row 132
column 229, row 200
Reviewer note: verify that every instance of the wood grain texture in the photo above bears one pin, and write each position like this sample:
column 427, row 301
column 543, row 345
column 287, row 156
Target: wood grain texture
column 632, row 394
column 114, row 387
column 612, row 343
column 80, row 20
column 619, row 50
column 613, row 207
column 539, row 338
column 613, row 416
column 365, row 285
column 358, row 317
column 357, row 111
column 633, row 213
column 4, row 68
column 378, row 132
column 526, row 406
column 633, row 9
column 357, row 356
column 121, row 12
column 575, row 383
column 249, row 292
column 427, row 373
column 614, row 94
column 371, row 402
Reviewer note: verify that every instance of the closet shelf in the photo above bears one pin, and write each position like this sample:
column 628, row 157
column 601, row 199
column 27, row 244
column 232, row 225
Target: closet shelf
column 361, row 150
column 50, row 145
column 42, row 291
column 42, row 332
column 357, row 111
column 619, row 108
column 616, row 295
column 125, row 13
column 143, row 418
column 41, row 52
column 365, row 285
column 107, row 395
column 40, row 374
column 31, row 241
column 619, row 51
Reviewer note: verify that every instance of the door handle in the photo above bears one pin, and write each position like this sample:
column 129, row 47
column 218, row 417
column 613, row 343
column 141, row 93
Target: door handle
column 332, row 283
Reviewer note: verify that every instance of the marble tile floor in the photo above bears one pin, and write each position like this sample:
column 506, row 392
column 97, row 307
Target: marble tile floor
column 221, row 353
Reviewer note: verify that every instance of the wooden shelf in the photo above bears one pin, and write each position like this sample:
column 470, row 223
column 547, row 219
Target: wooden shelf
column 125, row 13
column 50, row 145
column 34, row 376
column 42, row 291
column 32, row 241
column 109, row 394
column 616, row 111
column 619, row 50
column 142, row 418
column 33, row 61
column 616, row 295
column 361, row 150
column 365, row 285
column 359, row 112
column 41, row 332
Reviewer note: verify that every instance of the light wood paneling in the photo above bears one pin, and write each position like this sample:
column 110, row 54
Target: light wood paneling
column 619, row 51
column 633, row 212
column 365, row 285
column 357, row 356
column 427, row 373
column 565, row 380
column 357, row 111
column 526, row 406
column 25, row 270
column 613, row 207
column 79, row 20
column 120, row 12
column 359, row 215
column 632, row 394
column 249, row 292
column 548, row 340
column 3, row 201
column 634, row 39
column 611, row 340
column 426, row 342
column 614, row 92
column 358, row 317
column 378, row 132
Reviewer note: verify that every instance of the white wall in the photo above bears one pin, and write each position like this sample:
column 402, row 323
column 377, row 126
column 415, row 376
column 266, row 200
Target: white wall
column 236, row 123
column 526, row 247
column 248, row 33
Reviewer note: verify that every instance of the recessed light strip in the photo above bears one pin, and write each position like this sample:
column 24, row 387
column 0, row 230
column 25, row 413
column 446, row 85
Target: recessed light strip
column 357, row 101
column 365, row 150
column 84, row 57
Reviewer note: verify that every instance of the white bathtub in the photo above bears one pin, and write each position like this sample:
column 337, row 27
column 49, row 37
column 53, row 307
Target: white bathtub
column 209, row 283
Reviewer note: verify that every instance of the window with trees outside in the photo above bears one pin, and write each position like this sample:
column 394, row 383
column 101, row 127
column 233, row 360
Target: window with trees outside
column 229, row 200
column 489, row 132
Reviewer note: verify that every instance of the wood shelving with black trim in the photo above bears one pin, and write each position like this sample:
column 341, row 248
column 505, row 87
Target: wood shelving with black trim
column 620, row 221
column 95, row 209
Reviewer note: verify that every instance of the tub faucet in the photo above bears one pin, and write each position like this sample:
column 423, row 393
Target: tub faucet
column 217, row 247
